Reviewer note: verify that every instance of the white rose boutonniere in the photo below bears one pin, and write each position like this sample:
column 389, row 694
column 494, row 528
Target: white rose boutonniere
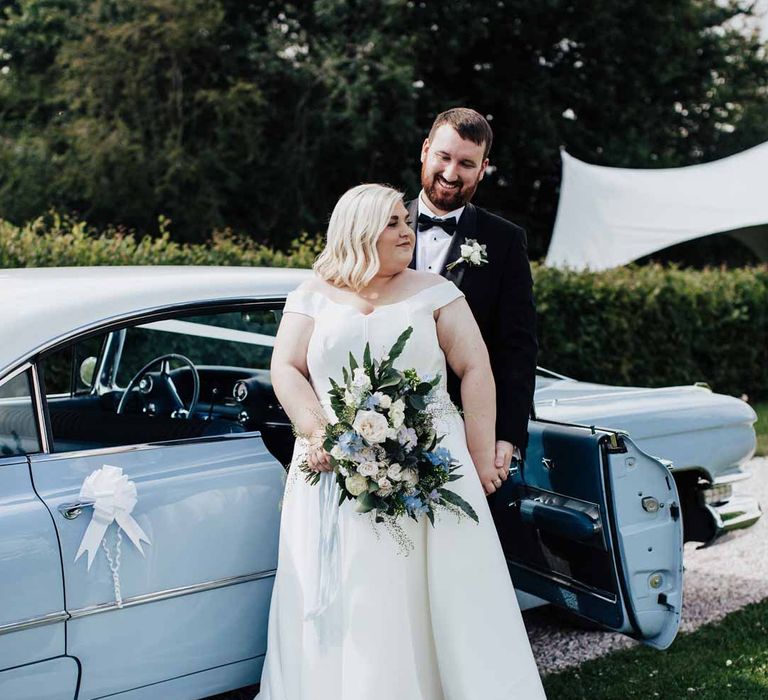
column 471, row 253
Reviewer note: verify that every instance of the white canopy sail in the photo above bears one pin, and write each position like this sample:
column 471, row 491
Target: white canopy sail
column 611, row 216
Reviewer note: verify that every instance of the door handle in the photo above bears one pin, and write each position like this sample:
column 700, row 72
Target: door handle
column 71, row 510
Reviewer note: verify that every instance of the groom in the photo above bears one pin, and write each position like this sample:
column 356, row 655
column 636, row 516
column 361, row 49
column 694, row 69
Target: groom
column 500, row 292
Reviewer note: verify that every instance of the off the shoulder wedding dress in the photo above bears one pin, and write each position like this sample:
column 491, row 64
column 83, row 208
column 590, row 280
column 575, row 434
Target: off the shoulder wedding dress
column 441, row 623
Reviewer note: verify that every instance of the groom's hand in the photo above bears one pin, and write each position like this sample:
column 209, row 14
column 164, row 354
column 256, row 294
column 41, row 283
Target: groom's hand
column 504, row 452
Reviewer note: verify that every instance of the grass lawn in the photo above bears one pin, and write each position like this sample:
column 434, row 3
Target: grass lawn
column 723, row 661
column 761, row 427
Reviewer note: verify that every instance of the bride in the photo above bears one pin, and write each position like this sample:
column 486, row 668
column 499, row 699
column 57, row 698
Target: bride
column 441, row 623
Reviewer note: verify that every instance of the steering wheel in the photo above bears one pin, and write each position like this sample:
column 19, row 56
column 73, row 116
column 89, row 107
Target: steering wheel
column 166, row 382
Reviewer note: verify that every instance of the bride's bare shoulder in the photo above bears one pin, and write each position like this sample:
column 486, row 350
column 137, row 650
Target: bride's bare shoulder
column 422, row 280
column 314, row 284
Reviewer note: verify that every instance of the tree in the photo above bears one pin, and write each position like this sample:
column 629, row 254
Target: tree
column 258, row 115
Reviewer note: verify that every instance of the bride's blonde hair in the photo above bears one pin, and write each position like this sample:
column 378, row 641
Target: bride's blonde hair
column 350, row 257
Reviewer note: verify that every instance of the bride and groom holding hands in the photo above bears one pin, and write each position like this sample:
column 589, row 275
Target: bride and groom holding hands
column 351, row 616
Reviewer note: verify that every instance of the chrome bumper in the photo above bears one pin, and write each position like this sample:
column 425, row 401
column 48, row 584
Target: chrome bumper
column 727, row 511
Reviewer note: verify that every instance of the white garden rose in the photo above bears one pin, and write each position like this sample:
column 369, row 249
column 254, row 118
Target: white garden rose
column 356, row 484
column 466, row 251
column 337, row 452
column 360, row 381
column 368, row 469
column 384, row 401
column 395, row 472
column 397, row 413
column 410, row 476
column 350, row 399
column 476, row 257
column 371, row 425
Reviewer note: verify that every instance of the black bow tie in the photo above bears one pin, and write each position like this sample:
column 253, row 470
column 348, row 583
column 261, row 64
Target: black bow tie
column 448, row 225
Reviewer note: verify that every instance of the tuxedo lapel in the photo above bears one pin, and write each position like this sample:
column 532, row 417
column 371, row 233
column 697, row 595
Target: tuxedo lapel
column 465, row 229
column 413, row 213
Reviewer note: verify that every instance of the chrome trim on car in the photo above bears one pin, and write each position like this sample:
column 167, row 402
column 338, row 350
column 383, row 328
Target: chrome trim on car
column 737, row 513
column 15, row 372
column 563, row 580
column 118, row 449
column 170, row 593
column 49, row 619
column 37, row 400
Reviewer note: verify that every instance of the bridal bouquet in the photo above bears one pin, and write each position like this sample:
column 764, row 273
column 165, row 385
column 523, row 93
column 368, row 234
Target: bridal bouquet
column 384, row 450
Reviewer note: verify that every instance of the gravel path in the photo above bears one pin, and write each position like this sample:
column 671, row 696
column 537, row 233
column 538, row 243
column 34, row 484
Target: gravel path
column 718, row 580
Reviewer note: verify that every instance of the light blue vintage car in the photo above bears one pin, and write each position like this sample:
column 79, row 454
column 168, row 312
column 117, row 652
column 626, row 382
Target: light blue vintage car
column 163, row 373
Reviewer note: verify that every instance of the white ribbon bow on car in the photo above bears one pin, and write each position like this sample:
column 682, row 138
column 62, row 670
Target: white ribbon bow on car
column 114, row 497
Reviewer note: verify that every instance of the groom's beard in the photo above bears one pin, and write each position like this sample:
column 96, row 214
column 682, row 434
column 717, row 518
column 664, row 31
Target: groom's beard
column 447, row 201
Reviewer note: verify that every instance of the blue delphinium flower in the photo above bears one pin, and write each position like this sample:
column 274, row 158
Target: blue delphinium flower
column 371, row 402
column 350, row 443
column 415, row 505
column 440, row 457
column 433, row 495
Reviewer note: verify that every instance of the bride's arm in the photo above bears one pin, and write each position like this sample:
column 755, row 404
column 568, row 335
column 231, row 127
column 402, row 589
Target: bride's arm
column 467, row 356
column 291, row 384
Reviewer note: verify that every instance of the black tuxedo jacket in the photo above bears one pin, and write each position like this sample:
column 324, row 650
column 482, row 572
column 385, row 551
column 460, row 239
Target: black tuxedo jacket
column 500, row 295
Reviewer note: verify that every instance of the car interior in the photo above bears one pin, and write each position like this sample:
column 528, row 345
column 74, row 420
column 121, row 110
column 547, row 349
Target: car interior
column 199, row 375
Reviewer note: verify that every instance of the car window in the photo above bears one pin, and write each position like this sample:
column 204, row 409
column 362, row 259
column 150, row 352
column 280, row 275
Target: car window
column 91, row 409
column 71, row 370
column 18, row 426
column 233, row 339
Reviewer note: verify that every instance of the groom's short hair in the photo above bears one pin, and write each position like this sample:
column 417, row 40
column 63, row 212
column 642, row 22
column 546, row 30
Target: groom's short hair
column 469, row 124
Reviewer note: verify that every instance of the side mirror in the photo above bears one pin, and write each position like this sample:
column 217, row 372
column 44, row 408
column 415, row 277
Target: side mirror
column 87, row 370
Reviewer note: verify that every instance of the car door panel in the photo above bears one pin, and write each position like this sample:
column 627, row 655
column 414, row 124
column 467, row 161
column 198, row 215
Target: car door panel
column 200, row 595
column 577, row 532
column 54, row 679
column 31, row 591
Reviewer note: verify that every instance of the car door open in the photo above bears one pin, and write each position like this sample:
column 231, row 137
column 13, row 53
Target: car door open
column 591, row 524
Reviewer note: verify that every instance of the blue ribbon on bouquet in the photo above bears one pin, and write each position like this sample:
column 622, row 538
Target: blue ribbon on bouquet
column 328, row 554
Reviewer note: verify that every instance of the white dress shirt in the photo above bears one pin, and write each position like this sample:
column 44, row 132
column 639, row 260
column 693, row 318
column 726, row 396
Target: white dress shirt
column 432, row 244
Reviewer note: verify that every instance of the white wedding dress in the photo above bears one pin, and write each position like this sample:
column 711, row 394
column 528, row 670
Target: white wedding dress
column 441, row 623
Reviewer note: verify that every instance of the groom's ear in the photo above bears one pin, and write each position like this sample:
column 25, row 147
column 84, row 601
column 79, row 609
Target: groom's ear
column 482, row 169
column 424, row 149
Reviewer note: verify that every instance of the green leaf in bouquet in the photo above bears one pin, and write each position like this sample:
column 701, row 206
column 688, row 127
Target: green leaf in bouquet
column 367, row 364
column 397, row 348
column 390, row 378
column 453, row 477
column 417, row 402
column 431, row 517
column 423, row 388
column 372, row 486
column 352, row 362
column 345, row 374
column 459, row 502
column 435, row 380
column 364, row 502
column 328, row 444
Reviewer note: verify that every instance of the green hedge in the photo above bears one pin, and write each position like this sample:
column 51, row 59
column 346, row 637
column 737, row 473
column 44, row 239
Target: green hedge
column 649, row 326
column 657, row 326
